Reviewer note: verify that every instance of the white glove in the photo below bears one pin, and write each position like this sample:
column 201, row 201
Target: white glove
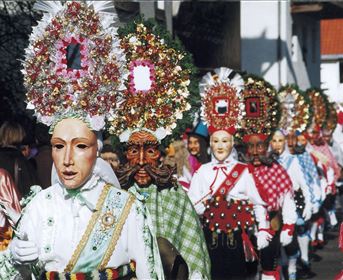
column 263, row 239
column 323, row 184
column 199, row 208
column 307, row 211
column 23, row 251
column 285, row 238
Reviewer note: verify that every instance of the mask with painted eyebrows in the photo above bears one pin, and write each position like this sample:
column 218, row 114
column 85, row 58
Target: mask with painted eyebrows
column 143, row 163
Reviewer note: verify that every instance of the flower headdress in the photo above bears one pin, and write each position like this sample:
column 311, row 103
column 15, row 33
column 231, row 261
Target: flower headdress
column 73, row 64
column 261, row 108
column 296, row 113
column 222, row 101
column 157, row 94
column 320, row 107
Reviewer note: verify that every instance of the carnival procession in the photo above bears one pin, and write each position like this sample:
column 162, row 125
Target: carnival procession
column 140, row 154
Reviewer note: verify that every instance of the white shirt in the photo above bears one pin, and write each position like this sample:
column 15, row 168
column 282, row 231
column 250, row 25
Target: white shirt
column 55, row 222
column 244, row 189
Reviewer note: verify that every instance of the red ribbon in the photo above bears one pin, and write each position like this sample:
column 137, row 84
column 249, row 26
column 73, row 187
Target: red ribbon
column 340, row 117
column 249, row 251
column 289, row 227
column 231, row 130
column 273, row 273
column 263, row 137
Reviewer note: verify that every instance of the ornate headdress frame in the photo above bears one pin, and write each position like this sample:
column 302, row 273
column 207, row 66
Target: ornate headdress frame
column 296, row 113
column 222, row 102
column 158, row 86
column 73, row 65
column 320, row 107
column 332, row 117
column 262, row 108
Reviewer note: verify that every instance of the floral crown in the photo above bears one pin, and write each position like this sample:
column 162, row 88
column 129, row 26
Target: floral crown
column 157, row 94
column 73, row 64
column 261, row 108
column 222, row 102
column 296, row 111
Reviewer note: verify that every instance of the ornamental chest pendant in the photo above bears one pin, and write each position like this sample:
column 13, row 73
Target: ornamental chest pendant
column 107, row 220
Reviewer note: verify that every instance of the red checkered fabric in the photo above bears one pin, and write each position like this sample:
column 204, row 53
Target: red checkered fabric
column 273, row 183
column 325, row 150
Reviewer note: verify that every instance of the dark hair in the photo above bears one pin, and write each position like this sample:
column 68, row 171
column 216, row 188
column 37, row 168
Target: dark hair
column 107, row 148
column 42, row 134
column 203, row 156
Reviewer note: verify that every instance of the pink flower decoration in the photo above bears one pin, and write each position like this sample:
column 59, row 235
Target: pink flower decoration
column 144, row 63
column 61, row 60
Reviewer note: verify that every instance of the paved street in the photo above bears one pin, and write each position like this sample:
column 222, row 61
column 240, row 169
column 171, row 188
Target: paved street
column 332, row 259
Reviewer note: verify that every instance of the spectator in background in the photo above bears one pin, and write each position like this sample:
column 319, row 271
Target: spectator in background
column 11, row 158
column 9, row 197
column 197, row 145
column 29, row 150
column 43, row 158
column 178, row 156
column 109, row 154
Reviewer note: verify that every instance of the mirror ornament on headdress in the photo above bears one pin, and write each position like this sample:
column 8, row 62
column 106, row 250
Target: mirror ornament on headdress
column 261, row 108
column 73, row 65
column 222, row 101
column 157, row 94
column 296, row 114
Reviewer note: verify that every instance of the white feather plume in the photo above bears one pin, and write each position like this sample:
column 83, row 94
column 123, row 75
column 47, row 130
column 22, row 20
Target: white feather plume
column 51, row 7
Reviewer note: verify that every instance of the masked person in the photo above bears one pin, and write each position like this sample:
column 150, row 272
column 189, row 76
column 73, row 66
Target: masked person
column 334, row 153
column 109, row 154
column 177, row 156
column 83, row 226
column 326, row 166
column 271, row 179
column 223, row 191
column 314, row 185
column 151, row 108
column 294, row 119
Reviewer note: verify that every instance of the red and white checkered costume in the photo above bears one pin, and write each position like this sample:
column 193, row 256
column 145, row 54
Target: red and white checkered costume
column 275, row 188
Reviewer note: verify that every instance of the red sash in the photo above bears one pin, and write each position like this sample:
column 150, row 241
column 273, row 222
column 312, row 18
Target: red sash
column 231, row 179
column 224, row 215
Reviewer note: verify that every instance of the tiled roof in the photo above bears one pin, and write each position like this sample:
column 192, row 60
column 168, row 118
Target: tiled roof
column 331, row 36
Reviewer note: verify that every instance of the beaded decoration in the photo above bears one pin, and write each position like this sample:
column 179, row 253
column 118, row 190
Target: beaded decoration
column 157, row 92
column 73, row 65
column 320, row 107
column 261, row 108
column 222, row 101
column 296, row 112
column 106, row 274
column 332, row 118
